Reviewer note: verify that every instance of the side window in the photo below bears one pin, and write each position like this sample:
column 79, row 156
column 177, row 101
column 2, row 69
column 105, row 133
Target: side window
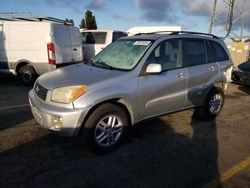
column 220, row 52
column 100, row 37
column 211, row 55
column 94, row 37
column 117, row 35
column 168, row 53
column 195, row 52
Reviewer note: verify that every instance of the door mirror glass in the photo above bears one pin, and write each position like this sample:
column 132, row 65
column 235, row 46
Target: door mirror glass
column 154, row 68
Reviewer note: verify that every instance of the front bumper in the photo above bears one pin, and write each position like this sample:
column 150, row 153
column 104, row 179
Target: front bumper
column 71, row 119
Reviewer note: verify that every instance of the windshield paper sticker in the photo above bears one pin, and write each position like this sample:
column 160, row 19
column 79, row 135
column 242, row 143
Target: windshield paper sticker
column 142, row 43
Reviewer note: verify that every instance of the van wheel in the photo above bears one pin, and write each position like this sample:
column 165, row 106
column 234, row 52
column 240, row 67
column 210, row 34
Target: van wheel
column 105, row 128
column 27, row 74
column 212, row 105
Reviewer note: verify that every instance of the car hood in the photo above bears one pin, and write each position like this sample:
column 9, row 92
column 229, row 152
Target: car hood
column 245, row 66
column 79, row 74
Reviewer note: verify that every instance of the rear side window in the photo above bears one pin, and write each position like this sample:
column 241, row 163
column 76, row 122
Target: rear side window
column 195, row 52
column 220, row 52
column 94, row 37
column 211, row 55
column 117, row 35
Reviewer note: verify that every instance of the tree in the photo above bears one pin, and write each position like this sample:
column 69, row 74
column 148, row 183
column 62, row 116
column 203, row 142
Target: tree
column 71, row 21
column 89, row 21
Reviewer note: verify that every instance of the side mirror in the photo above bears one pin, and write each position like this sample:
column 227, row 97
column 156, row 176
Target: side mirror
column 154, row 68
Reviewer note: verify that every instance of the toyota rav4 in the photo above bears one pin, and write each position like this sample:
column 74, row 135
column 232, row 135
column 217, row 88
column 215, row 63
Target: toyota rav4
column 133, row 79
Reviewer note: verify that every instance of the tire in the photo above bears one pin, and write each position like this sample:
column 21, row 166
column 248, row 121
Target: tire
column 27, row 75
column 212, row 105
column 105, row 128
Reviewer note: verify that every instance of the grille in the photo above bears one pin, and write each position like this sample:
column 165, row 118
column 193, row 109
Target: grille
column 41, row 91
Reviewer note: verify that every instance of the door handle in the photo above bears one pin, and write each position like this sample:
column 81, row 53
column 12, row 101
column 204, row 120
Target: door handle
column 75, row 49
column 211, row 69
column 180, row 75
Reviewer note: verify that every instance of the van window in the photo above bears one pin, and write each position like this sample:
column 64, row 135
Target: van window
column 220, row 52
column 195, row 52
column 61, row 35
column 168, row 53
column 94, row 37
column 117, row 35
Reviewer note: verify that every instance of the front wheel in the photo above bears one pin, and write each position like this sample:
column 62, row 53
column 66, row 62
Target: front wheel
column 212, row 105
column 105, row 128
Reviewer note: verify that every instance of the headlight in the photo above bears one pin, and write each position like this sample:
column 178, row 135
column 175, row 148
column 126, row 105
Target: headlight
column 68, row 94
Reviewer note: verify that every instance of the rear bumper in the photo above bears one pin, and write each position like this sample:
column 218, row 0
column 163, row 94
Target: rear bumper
column 71, row 119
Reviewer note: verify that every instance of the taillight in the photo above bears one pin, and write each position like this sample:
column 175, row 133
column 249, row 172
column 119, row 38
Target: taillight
column 51, row 53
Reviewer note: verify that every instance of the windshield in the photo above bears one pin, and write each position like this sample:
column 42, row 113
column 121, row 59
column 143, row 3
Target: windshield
column 122, row 54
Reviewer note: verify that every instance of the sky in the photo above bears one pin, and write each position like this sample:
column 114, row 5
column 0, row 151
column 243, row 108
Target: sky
column 124, row 14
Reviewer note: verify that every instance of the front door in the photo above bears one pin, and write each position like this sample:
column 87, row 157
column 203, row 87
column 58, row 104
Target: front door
column 164, row 92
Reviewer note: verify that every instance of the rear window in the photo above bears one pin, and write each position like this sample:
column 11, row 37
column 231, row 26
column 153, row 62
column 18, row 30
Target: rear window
column 221, row 55
column 94, row 37
column 61, row 35
column 195, row 52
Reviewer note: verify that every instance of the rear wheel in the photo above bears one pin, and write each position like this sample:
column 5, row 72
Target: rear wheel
column 212, row 105
column 27, row 74
column 105, row 128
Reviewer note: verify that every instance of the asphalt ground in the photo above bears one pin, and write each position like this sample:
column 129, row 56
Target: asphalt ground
column 171, row 151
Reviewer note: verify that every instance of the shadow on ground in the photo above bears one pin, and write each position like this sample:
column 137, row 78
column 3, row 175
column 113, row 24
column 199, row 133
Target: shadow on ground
column 151, row 157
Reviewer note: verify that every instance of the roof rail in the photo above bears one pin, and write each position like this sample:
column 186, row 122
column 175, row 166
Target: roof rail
column 179, row 32
column 194, row 33
column 41, row 18
column 34, row 18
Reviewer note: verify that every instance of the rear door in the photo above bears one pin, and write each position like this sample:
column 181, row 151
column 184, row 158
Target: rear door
column 164, row 92
column 62, row 44
column 202, row 69
column 76, row 43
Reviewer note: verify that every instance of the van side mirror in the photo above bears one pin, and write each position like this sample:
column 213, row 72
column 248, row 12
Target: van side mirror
column 154, row 68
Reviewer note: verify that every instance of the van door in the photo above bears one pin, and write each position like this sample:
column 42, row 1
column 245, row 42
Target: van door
column 164, row 92
column 63, row 49
column 3, row 55
column 76, row 43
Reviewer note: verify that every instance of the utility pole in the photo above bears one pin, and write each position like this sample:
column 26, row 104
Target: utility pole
column 212, row 19
column 235, row 15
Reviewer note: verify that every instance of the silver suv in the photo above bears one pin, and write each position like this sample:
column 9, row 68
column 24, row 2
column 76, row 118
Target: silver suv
column 133, row 79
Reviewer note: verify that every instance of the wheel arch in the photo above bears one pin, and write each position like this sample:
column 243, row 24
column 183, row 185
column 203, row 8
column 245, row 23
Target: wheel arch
column 24, row 62
column 123, row 103
column 219, row 85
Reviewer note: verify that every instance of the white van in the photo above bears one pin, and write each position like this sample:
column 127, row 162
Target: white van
column 95, row 40
column 33, row 46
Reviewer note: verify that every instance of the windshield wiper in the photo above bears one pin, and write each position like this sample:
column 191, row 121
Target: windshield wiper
column 102, row 64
